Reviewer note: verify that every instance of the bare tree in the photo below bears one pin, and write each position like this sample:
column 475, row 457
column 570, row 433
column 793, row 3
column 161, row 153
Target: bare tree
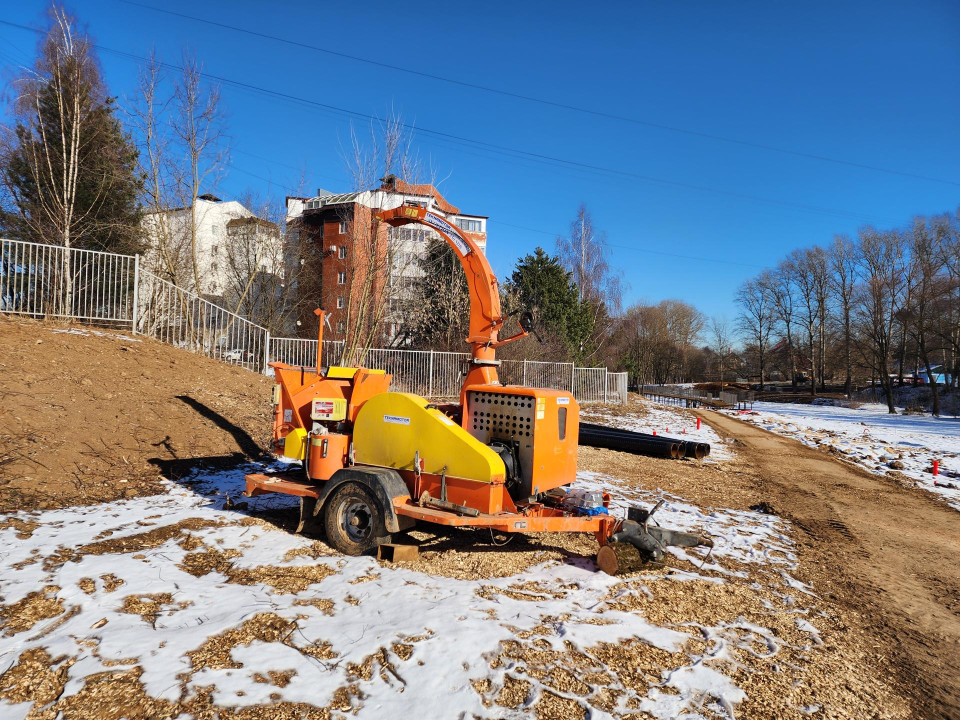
column 756, row 317
column 657, row 340
column 780, row 285
column 184, row 152
column 721, row 336
column 948, row 320
column 843, row 264
column 254, row 265
column 372, row 257
column 811, row 280
column 880, row 298
column 926, row 260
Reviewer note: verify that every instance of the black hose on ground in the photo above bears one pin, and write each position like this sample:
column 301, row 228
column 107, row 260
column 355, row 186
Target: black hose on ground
column 593, row 435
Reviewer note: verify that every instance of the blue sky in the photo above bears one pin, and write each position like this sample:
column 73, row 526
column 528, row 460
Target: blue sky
column 865, row 83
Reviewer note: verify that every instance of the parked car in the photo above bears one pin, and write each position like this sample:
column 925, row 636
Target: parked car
column 238, row 355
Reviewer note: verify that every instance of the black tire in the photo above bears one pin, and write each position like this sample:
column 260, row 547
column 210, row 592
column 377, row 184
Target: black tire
column 353, row 520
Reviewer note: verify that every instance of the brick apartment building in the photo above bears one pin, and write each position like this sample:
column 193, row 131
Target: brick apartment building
column 322, row 249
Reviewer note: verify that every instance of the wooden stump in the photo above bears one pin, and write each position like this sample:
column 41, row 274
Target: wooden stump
column 617, row 558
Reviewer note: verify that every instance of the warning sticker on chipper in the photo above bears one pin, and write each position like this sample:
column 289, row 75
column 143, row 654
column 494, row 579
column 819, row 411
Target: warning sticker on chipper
column 396, row 419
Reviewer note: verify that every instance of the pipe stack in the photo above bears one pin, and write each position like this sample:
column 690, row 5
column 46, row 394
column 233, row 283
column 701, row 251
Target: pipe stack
column 641, row 443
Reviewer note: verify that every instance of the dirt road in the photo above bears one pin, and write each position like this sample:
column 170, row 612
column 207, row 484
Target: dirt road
column 887, row 552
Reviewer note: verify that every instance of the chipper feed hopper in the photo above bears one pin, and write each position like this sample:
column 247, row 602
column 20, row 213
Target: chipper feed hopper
column 373, row 462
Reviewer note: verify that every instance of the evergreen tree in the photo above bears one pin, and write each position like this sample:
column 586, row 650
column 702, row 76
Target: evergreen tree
column 541, row 283
column 68, row 168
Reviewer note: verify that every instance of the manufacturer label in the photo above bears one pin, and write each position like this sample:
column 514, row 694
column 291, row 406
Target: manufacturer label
column 288, row 415
column 563, row 401
column 396, row 419
column 440, row 224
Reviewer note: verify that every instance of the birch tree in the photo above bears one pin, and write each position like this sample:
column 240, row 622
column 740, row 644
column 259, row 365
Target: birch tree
column 68, row 167
column 585, row 254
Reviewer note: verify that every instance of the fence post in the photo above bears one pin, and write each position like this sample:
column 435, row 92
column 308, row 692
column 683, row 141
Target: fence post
column 266, row 353
column 606, row 381
column 430, row 393
column 524, row 383
column 136, row 293
column 573, row 374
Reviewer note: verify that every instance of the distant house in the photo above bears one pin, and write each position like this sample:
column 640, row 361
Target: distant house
column 939, row 377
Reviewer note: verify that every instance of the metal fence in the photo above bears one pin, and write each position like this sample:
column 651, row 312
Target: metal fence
column 51, row 281
column 734, row 398
column 111, row 289
column 439, row 374
column 176, row 316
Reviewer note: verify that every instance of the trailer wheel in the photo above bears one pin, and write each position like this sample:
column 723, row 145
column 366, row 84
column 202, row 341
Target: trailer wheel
column 353, row 520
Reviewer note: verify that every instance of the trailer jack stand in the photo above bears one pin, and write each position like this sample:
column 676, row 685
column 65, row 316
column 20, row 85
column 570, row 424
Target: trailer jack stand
column 636, row 544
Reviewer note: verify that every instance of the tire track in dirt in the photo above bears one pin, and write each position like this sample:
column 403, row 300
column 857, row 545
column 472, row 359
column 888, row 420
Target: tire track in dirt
column 884, row 551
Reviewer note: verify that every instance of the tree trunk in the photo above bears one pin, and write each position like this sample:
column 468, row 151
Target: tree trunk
column 887, row 383
column 902, row 354
column 761, row 370
column 793, row 361
column 934, row 390
column 848, row 382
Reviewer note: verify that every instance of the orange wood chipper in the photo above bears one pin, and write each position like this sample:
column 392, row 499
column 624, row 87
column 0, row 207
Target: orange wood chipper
column 374, row 462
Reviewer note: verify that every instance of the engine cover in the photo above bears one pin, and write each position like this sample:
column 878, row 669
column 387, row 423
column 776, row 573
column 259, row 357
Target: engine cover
column 543, row 423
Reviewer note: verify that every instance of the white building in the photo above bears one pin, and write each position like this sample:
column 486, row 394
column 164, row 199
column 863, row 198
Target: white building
column 211, row 225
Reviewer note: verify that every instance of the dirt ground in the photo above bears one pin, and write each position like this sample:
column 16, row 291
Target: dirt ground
column 96, row 417
column 886, row 554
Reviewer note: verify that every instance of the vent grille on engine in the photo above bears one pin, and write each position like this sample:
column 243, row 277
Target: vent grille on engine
column 502, row 416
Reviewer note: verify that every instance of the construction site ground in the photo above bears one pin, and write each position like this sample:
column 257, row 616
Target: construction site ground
column 132, row 587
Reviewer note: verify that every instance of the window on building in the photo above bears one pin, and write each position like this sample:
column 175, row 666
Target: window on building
column 342, row 327
column 340, row 303
column 341, row 278
column 343, row 227
column 470, row 225
column 343, row 252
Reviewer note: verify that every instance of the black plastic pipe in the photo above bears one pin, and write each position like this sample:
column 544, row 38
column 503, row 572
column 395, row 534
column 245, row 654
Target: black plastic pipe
column 640, row 443
column 635, row 445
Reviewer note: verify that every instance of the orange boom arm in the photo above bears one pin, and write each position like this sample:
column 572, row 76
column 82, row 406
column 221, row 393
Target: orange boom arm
column 486, row 320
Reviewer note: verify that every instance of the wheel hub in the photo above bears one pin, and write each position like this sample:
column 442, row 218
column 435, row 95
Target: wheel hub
column 357, row 520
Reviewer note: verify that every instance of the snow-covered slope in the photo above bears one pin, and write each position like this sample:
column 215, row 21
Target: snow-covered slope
column 878, row 441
